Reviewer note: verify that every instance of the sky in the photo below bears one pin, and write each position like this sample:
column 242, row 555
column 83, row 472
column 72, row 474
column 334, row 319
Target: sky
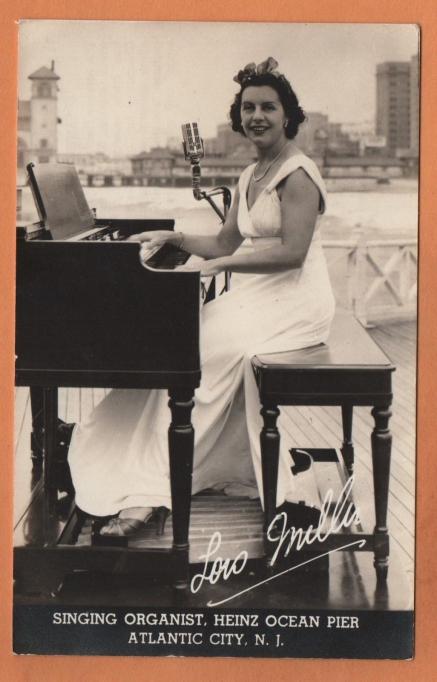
column 128, row 86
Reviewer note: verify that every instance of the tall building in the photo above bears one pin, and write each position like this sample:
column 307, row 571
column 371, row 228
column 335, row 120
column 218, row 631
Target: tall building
column 393, row 104
column 38, row 119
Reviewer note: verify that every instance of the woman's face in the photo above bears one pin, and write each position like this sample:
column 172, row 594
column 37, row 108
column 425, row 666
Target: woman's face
column 262, row 116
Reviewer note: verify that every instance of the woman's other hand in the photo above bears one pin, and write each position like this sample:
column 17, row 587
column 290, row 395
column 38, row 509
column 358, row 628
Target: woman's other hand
column 208, row 268
column 156, row 238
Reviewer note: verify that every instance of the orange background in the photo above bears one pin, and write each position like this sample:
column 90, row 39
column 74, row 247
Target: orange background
column 62, row 669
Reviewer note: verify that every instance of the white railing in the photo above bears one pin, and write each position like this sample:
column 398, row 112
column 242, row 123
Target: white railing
column 380, row 276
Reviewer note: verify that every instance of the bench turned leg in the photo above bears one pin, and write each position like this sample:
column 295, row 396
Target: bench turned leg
column 181, row 449
column 270, row 440
column 381, row 453
column 347, row 449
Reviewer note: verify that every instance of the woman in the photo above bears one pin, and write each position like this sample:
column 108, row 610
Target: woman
column 284, row 303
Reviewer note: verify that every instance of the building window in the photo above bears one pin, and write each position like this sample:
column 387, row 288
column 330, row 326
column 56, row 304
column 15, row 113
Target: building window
column 43, row 143
column 43, row 159
column 44, row 90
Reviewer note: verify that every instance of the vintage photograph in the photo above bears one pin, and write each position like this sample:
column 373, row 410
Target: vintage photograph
column 216, row 324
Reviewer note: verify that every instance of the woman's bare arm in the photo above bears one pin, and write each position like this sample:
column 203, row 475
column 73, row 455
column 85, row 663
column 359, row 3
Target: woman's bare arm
column 299, row 208
column 222, row 244
column 206, row 246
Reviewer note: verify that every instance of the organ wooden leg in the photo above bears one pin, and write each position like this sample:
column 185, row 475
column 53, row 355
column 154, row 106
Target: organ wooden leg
column 36, row 436
column 50, row 442
column 381, row 453
column 181, row 450
column 347, row 448
column 270, row 440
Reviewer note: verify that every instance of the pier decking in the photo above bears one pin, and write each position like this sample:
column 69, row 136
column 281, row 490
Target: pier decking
column 301, row 427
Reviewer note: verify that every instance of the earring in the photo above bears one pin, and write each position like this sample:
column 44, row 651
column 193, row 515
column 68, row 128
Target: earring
column 285, row 124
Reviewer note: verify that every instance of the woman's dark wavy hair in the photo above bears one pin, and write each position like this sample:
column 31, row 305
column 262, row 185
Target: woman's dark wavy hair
column 287, row 97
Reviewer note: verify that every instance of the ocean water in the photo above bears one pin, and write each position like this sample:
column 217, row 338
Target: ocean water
column 390, row 212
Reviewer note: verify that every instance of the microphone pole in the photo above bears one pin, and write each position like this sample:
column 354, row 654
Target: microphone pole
column 195, row 174
column 194, row 151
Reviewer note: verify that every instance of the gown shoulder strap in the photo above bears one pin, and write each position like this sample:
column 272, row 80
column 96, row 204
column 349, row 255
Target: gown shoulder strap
column 301, row 161
column 244, row 178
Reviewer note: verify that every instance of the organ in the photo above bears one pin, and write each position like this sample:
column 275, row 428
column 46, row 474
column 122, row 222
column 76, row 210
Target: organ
column 91, row 313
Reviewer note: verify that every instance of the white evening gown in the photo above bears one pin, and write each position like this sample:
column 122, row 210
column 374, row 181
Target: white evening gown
column 119, row 457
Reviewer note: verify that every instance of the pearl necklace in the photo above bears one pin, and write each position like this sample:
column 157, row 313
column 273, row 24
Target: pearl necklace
column 269, row 166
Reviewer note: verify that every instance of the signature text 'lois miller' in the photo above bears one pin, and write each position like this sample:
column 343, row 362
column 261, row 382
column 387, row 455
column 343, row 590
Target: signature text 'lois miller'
column 344, row 515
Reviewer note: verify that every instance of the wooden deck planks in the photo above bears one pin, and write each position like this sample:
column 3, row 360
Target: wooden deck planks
column 22, row 400
column 402, row 486
column 22, row 461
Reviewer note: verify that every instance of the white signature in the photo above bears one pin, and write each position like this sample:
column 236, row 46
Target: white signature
column 343, row 516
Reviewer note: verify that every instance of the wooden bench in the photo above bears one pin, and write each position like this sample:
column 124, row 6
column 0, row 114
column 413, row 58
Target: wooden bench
column 350, row 369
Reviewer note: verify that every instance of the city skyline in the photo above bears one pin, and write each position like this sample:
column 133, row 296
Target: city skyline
column 127, row 86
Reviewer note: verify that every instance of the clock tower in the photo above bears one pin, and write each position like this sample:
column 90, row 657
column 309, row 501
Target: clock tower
column 44, row 115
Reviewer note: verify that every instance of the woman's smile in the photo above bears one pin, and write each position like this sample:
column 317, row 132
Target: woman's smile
column 259, row 130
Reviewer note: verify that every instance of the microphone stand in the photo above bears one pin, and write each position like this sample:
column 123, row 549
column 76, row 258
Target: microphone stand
column 200, row 194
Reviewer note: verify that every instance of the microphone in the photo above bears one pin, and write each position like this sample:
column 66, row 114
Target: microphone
column 193, row 151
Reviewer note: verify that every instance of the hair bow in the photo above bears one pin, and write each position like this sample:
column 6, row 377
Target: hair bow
column 250, row 70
